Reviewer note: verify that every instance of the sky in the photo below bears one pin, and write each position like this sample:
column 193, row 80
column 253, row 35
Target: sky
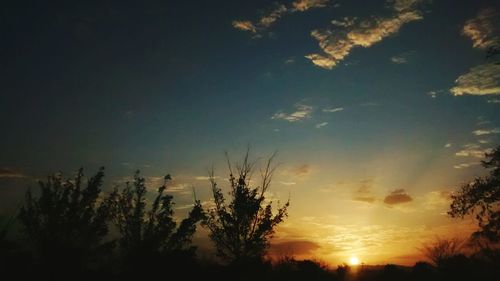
column 378, row 109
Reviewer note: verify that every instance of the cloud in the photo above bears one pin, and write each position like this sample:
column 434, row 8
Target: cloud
column 397, row 196
column 331, row 110
column 448, row 145
column 287, row 183
column 299, row 247
column 399, row 60
column 244, row 25
column 366, row 199
column 205, row 178
column 290, row 61
column 336, row 43
column 269, row 18
column 364, row 192
column 304, row 5
column 296, row 172
column 321, row 125
column 6, row 172
column 482, row 132
column 483, row 79
column 465, row 165
column 302, row 170
column 483, row 29
column 301, row 112
column 494, row 101
column 472, row 150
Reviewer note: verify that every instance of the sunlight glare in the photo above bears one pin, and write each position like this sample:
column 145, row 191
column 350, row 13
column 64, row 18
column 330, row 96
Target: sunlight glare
column 354, row 261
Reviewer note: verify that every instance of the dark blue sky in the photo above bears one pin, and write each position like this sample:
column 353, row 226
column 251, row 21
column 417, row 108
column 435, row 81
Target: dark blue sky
column 167, row 86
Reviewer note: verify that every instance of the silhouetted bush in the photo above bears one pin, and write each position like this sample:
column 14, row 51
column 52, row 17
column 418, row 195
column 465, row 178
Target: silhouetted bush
column 241, row 229
column 150, row 236
column 66, row 225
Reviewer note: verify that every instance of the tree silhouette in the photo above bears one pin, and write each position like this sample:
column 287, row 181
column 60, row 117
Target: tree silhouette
column 481, row 197
column 241, row 229
column 442, row 249
column 67, row 223
column 146, row 231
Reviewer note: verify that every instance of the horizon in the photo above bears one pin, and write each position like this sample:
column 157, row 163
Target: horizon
column 378, row 111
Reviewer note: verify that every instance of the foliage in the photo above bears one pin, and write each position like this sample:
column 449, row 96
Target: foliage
column 241, row 229
column 68, row 219
column 482, row 198
column 152, row 230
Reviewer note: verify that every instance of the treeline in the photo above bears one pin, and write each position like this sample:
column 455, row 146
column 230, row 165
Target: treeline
column 70, row 229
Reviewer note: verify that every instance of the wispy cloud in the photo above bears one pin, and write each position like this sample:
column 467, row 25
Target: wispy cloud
column 494, row 101
column 274, row 14
column 483, row 79
column 472, row 150
column 448, row 145
column 7, row 172
column 399, row 60
column 334, row 109
column 302, row 111
column 321, row 125
column 348, row 33
column 465, row 165
column 483, row 29
column 481, row 132
column 244, row 25
column 397, row 196
column 304, row 5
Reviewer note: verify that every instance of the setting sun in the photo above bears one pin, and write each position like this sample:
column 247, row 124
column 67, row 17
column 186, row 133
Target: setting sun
column 354, row 261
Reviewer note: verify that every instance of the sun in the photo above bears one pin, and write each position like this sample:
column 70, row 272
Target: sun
column 354, row 261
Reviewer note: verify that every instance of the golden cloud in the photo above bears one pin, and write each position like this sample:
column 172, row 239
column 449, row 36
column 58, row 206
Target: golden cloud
column 481, row 80
column 481, row 29
column 337, row 43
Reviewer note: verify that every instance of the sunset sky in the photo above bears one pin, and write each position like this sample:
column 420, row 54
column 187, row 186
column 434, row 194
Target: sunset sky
column 378, row 109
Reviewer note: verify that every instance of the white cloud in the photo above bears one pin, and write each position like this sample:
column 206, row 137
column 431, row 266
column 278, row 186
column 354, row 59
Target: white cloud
column 481, row 132
column 432, row 94
column 301, row 112
column 448, row 145
column 483, row 29
column 320, row 125
column 399, row 60
column 480, row 80
column 494, row 101
column 334, row 109
column 465, row 165
column 287, row 183
column 336, row 43
column 472, row 150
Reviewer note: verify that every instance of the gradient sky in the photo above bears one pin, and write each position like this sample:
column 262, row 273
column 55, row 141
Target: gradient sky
column 378, row 109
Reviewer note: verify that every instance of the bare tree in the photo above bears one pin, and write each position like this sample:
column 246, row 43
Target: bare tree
column 241, row 228
column 441, row 249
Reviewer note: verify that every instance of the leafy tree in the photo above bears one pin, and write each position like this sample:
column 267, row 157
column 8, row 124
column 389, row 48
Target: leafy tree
column 241, row 228
column 67, row 223
column 481, row 198
column 152, row 230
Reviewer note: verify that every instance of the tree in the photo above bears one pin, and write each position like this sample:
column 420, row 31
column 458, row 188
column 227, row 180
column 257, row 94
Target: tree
column 67, row 223
column 481, row 198
column 241, row 229
column 152, row 231
column 442, row 249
